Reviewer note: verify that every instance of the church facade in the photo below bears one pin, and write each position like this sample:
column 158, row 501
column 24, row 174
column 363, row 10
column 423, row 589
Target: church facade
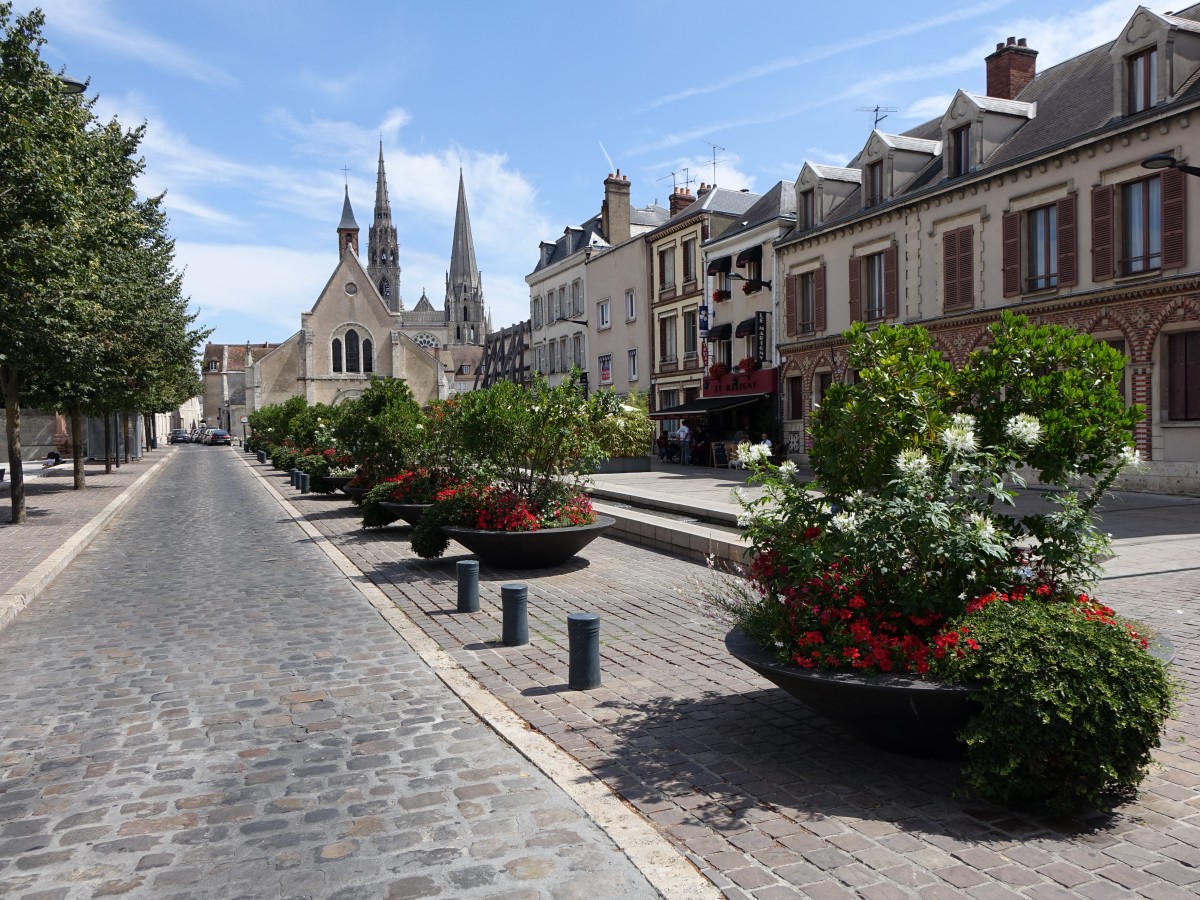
column 359, row 328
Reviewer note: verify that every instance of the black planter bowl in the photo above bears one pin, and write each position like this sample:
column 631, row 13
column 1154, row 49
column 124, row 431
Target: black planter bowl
column 528, row 549
column 336, row 483
column 354, row 492
column 409, row 512
column 893, row 712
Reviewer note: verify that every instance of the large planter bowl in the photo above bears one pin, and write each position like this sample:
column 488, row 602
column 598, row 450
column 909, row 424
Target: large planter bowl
column 528, row 549
column 336, row 483
column 896, row 713
column 354, row 493
column 619, row 465
column 409, row 512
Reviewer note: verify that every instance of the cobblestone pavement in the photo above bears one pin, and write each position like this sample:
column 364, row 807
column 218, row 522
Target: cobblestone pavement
column 769, row 800
column 202, row 705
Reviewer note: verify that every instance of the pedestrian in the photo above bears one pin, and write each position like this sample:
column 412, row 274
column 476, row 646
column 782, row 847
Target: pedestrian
column 662, row 442
column 684, row 435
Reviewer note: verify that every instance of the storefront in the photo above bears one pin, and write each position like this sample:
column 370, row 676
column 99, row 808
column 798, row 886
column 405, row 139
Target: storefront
column 736, row 407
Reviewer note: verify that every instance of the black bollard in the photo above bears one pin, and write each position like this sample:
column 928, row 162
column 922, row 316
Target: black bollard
column 515, row 598
column 262, row 456
column 304, row 482
column 468, row 585
column 583, row 634
column 292, row 479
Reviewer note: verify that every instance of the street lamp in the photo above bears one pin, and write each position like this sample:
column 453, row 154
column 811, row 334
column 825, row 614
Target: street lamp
column 69, row 85
column 1168, row 161
column 737, row 276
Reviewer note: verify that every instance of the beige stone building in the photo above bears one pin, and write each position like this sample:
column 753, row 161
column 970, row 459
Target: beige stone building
column 1033, row 197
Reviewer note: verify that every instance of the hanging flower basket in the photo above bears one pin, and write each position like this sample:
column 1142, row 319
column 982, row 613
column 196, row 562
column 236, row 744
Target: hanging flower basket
column 718, row 296
column 749, row 364
column 718, row 370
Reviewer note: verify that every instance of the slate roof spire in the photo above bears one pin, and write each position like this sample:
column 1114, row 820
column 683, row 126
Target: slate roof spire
column 383, row 248
column 464, row 287
column 347, row 228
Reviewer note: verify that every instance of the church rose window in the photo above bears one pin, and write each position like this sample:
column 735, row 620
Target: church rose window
column 426, row 340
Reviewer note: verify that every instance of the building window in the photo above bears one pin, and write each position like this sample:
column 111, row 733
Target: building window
column 551, row 307
column 577, row 341
column 690, row 334
column 213, row 365
column 822, row 382
column 1183, row 376
column 806, row 210
column 874, row 183
column 958, row 267
column 1141, row 220
column 689, row 260
column 808, row 304
column 633, row 365
column 666, row 268
column 603, row 316
column 795, row 395
column 960, row 151
column 537, row 312
column 553, row 357
column 666, row 339
column 630, row 306
column 337, row 355
column 723, row 352
column 1042, row 240
column 1141, row 75
column 873, row 287
column 577, row 298
column 352, row 348
column 1039, row 248
column 605, row 367
column 368, row 359
column 564, row 354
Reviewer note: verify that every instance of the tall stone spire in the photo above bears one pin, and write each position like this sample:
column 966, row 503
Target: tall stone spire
column 347, row 228
column 383, row 257
column 464, row 287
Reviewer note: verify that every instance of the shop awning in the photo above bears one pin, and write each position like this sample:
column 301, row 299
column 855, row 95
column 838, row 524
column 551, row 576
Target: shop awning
column 746, row 327
column 704, row 405
column 749, row 255
column 720, row 266
column 722, row 332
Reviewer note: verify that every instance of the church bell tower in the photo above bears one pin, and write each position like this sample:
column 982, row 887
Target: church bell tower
column 383, row 250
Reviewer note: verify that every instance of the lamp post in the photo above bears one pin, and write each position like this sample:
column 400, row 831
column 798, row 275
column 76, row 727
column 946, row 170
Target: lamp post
column 1168, row 161
column 69, row 85
column 737, row 276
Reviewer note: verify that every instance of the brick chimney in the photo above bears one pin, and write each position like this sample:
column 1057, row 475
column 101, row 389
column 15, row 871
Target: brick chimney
column 614, row 214
column 703, row 189
column 681, row 198
column 1010, row 69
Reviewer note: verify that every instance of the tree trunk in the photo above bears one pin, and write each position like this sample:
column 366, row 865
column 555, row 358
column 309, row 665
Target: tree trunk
column 125, row 433
column 116, row 427
column 77, row 446
column 12, row 426
column 108, row 436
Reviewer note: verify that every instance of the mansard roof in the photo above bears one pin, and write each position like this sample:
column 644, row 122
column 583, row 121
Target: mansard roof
column 574, row 238
column 652, row 215
column 778, row 204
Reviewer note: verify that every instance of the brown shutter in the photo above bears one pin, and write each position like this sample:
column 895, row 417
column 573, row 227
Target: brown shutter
column 1174, row 219
column 891, row 282
column 1177, row 376
column 1068, row 265
column 950, row 269
column 1011, row 236
column 966, row 265
column 790, row 318
column 819, row 299
column 1103, row 258
column 1192, row 362
column 855, row 293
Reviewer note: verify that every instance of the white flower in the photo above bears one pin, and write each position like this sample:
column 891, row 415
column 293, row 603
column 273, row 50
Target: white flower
column 789, row 470
column 1131, row 457
column 1024, row 429
column 983, row 525
column 912, row 463
column 752, row 454
column 844, row 521
column 740, row 496
column 960, row 436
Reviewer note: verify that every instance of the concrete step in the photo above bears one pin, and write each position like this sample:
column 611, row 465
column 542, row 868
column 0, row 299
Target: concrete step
column 673, row 531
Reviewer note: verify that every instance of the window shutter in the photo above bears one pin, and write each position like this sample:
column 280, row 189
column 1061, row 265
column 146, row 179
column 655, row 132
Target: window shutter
column 790, row 311
column 855, row 293
column 1103, row 261
column 1177, row 376
column 1068, row 265
column 950, row 268
column 819, row 299
column 1174, row 219
column 891, row 283
column 966, row 265
column 1192, row 362
column 1011, row 235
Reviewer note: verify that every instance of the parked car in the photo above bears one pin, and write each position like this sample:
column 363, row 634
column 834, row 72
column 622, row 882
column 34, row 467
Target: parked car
column 178, row 436
column 218, row 436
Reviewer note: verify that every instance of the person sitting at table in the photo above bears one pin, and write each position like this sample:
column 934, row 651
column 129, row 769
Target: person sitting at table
column 661, row 442
column 700, row 445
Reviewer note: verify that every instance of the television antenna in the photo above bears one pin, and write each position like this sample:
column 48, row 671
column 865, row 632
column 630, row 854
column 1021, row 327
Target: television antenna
column 877, row 110
column 715, row 148
column 687, row 178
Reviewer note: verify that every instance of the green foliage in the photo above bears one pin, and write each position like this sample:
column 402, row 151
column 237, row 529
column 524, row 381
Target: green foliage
column 1069, row 724
column 381, row 428
column 628, row 431
column 374, row 515
column 284, row 458
column 272, row 424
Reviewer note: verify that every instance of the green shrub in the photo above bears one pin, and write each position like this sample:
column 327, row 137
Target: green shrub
column 1072, row 704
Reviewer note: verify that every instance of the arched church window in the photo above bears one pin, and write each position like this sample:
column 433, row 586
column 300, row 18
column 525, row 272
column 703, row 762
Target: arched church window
column 337, row 355
column 352, row 351
column 368, row 360
column 385, row 288
column 466, row 314
column 458, row 333
column 427, row 340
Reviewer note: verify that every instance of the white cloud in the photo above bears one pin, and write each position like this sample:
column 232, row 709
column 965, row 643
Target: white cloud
column 927, row 107
column 92, row 22
column 1061, row 37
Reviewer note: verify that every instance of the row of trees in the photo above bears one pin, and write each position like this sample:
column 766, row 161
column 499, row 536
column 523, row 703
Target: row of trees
column 92, row 314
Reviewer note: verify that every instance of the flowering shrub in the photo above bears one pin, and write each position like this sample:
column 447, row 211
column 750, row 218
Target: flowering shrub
column 749, row 364
column 906, row 555
column 718, row 370
column 720, row 295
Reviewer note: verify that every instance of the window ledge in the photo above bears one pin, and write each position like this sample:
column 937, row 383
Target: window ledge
column 604, row 327
column 1181, row 423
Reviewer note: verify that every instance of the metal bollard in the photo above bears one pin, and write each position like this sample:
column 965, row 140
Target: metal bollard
column 262, row 456
column 583, row 635
column 292, row 473
column 304, row 482
column 468, row 585
column 515, row 598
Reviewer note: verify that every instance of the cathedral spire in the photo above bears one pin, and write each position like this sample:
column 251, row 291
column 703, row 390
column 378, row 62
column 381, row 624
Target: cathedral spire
column 383, row 256
column 464, row 288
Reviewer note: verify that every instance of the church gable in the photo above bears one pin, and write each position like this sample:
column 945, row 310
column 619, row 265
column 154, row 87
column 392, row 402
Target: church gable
column 349, row 326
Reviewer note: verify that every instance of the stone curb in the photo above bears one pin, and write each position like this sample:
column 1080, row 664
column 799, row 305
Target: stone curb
column 664, row 867
column 21, row 594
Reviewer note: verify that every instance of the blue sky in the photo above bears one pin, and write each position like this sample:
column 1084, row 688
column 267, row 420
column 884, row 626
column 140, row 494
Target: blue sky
column 254, row 107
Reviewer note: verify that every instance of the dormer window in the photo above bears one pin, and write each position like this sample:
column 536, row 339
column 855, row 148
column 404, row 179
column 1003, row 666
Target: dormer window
column 874, row 183
column 806, row 210
column 960, row 151
column 1141, row 78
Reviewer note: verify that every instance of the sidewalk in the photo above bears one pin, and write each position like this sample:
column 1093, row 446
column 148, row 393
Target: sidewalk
column 764, row 798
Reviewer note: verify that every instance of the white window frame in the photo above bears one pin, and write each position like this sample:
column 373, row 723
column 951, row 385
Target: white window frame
column 633, row 364
column 630, row 306
column 603, row 314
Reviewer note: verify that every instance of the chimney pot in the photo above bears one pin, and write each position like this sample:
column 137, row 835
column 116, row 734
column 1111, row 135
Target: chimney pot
column 1010, row 69
column 1012, row 41
column 1021, row 42
column 999, row 46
